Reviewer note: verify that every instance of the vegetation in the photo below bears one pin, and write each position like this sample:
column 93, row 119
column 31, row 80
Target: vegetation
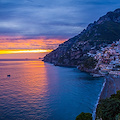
column 84, row 116
column 117, row 117
column 117, row 96
column 89, row 63
column 98, row 34
column 109, row 109
column 106, row 32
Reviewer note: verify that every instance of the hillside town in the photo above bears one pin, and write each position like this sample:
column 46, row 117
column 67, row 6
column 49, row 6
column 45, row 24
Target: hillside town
column 108, row 59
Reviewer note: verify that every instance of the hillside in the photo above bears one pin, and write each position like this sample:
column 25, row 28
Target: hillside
column 98, row 34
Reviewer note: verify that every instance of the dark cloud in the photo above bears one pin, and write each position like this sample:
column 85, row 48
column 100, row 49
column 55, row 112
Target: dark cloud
column 53, row 19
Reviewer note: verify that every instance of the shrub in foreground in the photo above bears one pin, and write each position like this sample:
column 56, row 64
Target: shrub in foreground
column 117, row 117
column 84, row 116
column 117, row 96
column 109, row 109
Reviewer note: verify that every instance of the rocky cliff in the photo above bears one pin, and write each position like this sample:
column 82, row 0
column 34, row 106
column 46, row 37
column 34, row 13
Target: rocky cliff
column 98, row 34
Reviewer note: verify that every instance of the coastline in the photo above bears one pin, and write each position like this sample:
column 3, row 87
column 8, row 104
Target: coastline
column 110, row 86
column 97, row 102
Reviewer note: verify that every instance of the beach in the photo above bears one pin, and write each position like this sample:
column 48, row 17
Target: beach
column 112, row 85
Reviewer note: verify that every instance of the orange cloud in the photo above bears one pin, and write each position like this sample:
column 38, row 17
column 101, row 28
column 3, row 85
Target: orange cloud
column 7, row 42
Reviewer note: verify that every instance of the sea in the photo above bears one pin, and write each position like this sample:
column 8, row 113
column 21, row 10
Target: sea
column 35, row 90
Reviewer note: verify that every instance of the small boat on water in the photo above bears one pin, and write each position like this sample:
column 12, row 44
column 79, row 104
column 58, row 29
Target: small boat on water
column 8, row 75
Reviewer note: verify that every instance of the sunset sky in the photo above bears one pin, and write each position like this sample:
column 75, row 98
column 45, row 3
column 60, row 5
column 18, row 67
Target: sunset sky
column 35, row 26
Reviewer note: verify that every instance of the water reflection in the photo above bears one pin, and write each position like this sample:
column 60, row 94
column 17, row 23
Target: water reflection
column 38, row 90
column 25, row 88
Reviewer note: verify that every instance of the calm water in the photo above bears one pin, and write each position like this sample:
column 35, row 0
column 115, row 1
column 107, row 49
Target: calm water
column 41, row 91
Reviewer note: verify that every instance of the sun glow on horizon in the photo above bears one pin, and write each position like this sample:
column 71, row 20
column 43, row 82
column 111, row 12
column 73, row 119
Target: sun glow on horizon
column 24, row 51
column 27, row 47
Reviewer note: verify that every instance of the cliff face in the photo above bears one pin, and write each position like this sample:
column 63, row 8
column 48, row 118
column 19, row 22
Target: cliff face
column 55, row 55
column 98, row 34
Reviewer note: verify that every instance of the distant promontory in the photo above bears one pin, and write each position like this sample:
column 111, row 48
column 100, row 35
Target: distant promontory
column 89, row 49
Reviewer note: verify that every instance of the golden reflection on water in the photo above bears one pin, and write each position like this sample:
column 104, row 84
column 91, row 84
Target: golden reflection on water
column 34, row 83
column 41, row 91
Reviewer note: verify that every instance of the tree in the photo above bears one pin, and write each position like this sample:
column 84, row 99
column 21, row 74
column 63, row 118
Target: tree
column 107, row 109
column 84, row 116
column 117, row 96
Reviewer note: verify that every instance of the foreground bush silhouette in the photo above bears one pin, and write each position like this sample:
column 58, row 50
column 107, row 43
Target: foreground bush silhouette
column 84, row 116
column 117, row 117
column 109, row 109
column 117, row 96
